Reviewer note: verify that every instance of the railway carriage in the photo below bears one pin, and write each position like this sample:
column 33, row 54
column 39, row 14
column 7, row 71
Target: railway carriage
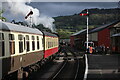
column 51, row 44
column 22, row 47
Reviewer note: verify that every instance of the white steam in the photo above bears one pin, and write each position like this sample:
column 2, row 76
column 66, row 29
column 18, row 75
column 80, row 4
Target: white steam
column 20, row 7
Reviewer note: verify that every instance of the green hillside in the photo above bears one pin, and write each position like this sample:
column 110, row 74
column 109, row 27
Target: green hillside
column 66, row 25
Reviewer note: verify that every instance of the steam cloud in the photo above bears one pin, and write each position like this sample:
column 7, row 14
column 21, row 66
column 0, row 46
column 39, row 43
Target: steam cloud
column 20, row 7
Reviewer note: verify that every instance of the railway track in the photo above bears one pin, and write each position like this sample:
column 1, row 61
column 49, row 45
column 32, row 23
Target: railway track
column 70, row 69
column 66, row 65
column 57, row 73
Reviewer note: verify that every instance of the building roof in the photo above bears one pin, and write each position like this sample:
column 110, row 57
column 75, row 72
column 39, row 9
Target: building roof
column 95, row 29
column 82, row 31
column 5, row 26
column 103, row 27
column 116, row 35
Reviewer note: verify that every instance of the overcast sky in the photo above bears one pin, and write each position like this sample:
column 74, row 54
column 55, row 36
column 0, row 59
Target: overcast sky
column 54, row 9
column 69, row 0
column 69, row 8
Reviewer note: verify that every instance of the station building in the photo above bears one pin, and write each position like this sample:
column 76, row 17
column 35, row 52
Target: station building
column 107, row 35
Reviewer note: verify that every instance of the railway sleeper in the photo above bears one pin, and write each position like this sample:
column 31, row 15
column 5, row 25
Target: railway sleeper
column 57, row 58
column 67, row 58
column 71, row 58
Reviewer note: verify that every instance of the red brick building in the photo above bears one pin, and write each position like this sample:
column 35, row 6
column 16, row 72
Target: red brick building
column 101, row 36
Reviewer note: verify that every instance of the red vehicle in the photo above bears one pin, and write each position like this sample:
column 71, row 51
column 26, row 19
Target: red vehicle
column 50, row 44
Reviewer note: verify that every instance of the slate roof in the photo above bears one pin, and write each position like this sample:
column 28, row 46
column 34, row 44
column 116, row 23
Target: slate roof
column 95, row 29
column 80, row 32
column 103, row 27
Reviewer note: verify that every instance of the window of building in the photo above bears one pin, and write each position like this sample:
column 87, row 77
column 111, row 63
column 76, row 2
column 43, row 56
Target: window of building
column 2, row 45
column 11, row 44
column 20, row 38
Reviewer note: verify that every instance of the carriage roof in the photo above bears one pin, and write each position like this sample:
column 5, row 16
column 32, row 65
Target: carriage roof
column 49, row 34
column 5, row 26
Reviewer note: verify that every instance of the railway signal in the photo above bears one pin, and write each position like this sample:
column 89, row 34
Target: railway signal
column 83, row 14
column 29, row 14
column 86, row 14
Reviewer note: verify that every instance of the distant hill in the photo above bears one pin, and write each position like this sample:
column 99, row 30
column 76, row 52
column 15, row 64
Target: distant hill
column 97, row 17
column 103, row 11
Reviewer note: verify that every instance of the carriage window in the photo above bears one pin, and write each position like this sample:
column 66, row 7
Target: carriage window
column 33, row 38
column 11, row 44
column 27, row 37
column 2, row 45
column 43, row 42
column 48, row 44
column 20, row 38
column 1, row 36
column 38, row 46
column 11, row 37
column 27, row 43
column 54, row 43
column 33, row 43
column 51, row 44
column 37, row 37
